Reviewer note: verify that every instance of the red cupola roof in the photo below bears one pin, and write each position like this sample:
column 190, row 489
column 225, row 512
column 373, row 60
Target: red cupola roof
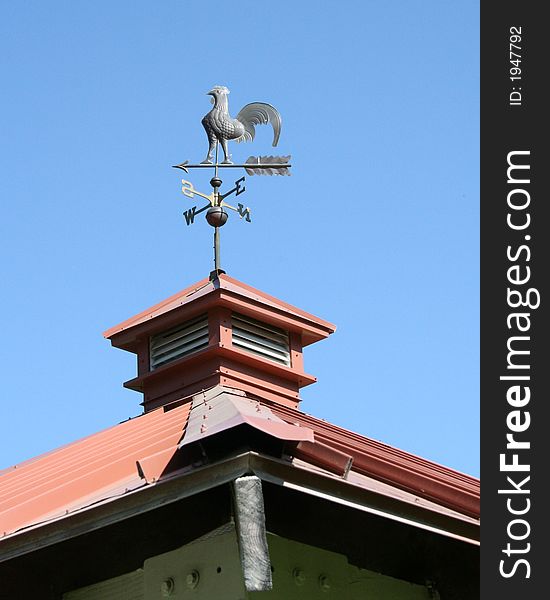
column 219, row 331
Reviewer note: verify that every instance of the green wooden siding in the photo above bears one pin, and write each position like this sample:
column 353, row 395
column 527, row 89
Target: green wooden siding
column 209, row 569
column 125, row 587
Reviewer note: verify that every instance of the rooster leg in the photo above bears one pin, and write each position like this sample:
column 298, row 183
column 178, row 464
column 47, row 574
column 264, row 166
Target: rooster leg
column 226, row 156
column 209, row 156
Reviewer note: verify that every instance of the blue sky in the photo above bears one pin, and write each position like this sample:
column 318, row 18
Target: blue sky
column 376, row 230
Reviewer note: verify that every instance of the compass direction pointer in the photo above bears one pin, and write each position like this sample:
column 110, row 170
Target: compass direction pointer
column 236, row 190
column 192, row 212
column 189, row 190
column 243, row 212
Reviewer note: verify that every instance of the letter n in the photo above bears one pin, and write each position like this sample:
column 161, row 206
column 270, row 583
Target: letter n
column 243, row 212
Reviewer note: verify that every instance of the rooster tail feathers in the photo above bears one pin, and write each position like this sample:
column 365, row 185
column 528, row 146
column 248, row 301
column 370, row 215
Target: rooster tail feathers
column 259, row 113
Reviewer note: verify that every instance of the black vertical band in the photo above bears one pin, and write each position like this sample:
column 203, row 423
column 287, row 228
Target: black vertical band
column 515, row 259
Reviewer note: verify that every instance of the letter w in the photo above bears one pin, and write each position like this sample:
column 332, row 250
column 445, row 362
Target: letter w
column 190, row 215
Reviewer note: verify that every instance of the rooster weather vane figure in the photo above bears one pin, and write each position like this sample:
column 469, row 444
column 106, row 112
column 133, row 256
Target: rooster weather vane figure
column 221, row 128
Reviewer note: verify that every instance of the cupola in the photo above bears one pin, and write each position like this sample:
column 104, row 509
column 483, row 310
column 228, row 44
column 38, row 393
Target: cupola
column 219, row 331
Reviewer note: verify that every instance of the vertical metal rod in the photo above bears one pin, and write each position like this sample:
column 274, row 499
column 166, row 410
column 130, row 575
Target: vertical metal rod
column 217, row 249
column 216, row 229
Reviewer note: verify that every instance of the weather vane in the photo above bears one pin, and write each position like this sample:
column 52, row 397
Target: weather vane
column 221, row 128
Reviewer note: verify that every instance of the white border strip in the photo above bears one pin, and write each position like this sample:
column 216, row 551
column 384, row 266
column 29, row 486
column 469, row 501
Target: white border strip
column 377, row 512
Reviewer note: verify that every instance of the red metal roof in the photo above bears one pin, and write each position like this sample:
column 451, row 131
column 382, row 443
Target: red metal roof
column 226, row 284
column 399, row 468
column 87, row 471
column 136, row 454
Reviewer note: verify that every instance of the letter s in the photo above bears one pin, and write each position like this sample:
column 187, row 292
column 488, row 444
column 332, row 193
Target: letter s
column 518, row 252
column 514, row 568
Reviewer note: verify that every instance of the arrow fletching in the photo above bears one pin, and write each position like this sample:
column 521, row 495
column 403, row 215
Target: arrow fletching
column 182, row 166
column 267, row 165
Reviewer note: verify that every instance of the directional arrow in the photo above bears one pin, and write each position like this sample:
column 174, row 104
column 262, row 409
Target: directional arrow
column 254, row 165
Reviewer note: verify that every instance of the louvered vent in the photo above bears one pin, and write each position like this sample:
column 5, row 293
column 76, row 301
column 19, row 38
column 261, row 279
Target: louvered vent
column 265, row 340
column 179, row 341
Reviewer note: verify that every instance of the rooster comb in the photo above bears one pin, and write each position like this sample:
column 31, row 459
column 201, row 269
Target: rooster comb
column 220, row 88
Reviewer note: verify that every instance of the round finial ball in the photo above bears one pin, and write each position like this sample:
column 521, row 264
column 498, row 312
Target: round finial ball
column 216, row 216
column 215, row 182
